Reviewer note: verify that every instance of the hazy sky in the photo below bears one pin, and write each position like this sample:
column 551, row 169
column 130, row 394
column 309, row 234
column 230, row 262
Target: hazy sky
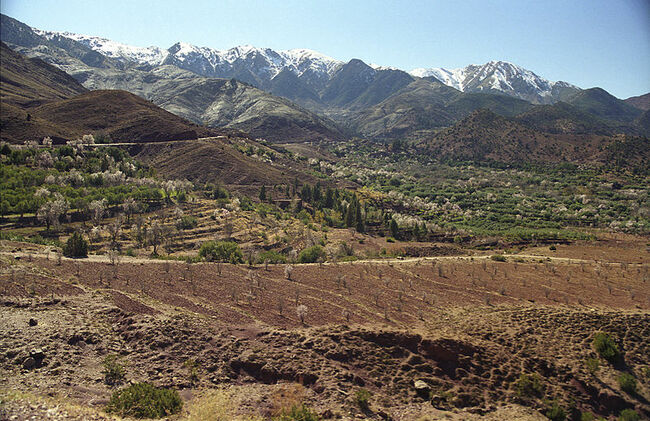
column 589, row 43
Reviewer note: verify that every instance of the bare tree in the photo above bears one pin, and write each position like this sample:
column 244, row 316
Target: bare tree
column 301, row 310
column 346, row 314
column 155, row 236
column 114, row 229
column 280, row 305
column 288, row 270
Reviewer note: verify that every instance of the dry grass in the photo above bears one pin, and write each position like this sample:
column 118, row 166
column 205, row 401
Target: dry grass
column 217, row 405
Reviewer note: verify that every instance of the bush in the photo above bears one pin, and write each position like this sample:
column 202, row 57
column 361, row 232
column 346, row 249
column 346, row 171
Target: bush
column 297, row 413
column 76, row 246
column 629, row 415
column 529, row 386
column 498, row 258
column 142, row 400
column 186, row 222
column 627, row 382
column 555, row 413
column 311, row 254
column 272, row 257
column 113, row 371
column 221, row 251
column 587, row 416
column 362, row 398
column 606, row 348
column 593, row 365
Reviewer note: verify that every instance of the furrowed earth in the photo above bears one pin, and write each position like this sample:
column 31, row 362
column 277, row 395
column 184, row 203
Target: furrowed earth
column 442, row 337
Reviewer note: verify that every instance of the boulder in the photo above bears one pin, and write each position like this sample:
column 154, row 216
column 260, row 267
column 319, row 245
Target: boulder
column 29, row 363
column 422, row 389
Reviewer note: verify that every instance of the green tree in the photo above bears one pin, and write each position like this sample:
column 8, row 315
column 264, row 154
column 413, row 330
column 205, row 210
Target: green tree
column 76, row 246
column 263, row 193
column 358, row 218
column 311, row 254
column 221, row 251
column 394, row 228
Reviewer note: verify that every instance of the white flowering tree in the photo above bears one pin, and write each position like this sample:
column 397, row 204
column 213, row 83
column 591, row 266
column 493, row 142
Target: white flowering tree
column 51, row 212
column 130, row 206
column 97, row 210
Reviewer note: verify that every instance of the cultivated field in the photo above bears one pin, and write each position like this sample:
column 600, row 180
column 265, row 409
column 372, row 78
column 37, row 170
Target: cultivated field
column 468, row 326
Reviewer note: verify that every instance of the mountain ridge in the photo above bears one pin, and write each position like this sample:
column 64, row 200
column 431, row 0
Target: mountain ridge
column 314, row 68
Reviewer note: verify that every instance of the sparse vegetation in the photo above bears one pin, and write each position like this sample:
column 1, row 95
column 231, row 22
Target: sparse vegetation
column 114, row 372
column 629, row 415
column 297, row 413
column 362, row 398
column 555, row 412
column 528, row 386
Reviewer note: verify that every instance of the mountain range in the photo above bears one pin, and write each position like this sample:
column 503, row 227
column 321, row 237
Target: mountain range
column 301, row 95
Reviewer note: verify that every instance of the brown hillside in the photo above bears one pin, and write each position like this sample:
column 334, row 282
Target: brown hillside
column 32, row 82
column 121, row 115
column 220, row 160
column 641, row 102
column 485, row 136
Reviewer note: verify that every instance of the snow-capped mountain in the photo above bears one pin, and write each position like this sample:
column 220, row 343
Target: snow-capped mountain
column 502, row 77
column 262, row 63
column 259, row 66
column 123, row 52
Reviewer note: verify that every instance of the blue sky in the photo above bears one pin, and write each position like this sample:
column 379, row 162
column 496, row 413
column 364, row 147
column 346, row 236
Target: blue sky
column 589, row 43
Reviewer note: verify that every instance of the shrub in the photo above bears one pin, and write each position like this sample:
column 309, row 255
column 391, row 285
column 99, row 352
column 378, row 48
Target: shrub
column 593, row 365
column 311, row 254
column 142, row 400
column 529, row 386
column 297, row 413
column 186, row 222
column 221, row 251
column 272, row 257
column 362, row 398
column 76, row 246
column 113, row 371
column 555, row 413
column 627, row 382
column 629, row 415
column 498, row 258
column 606, row 348
column 587, row 416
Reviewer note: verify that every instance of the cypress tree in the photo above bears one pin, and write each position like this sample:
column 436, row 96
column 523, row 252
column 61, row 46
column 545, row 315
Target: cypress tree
column 358, row 219
column 329, row 198
column 394, row 229
column 350, row 215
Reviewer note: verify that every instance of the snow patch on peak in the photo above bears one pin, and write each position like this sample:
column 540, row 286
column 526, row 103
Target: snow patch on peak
column 495, row 75
column 113, row 49
column 378, row 67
